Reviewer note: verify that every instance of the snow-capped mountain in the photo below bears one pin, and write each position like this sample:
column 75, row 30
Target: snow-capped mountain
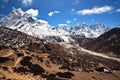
column 99, row 29
column 24, row 22
column 92, row 31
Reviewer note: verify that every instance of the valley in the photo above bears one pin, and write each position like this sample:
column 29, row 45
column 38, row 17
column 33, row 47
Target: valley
column 34, row 50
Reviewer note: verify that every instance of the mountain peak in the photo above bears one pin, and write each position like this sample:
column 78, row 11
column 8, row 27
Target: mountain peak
column 80, row 26
column 19, row 10
column 22, row 21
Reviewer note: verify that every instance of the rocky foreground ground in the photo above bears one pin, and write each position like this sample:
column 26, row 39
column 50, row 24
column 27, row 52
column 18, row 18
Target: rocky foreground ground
column 23, row 57
column 54, row 62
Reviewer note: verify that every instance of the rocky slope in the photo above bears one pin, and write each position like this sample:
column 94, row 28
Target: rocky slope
column 108, row 42
column 52, row 61
column 9, row 37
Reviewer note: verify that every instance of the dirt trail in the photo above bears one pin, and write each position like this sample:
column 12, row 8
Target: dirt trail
column 99, row 54
column 89, row 52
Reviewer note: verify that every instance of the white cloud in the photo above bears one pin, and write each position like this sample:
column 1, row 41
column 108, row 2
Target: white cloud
column 27, row 2
column 62, row 25
column 74, row 19
column 54, row 12
column 13, row 8
column 73, row 10
column 118, row 10
column 68, row 22
column 95, row 10
column 33, row 12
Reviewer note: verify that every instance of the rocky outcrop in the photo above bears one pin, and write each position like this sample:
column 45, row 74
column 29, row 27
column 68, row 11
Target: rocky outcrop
column 9, row 37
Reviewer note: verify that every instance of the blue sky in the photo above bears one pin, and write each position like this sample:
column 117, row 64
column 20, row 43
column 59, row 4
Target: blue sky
column 67, row 12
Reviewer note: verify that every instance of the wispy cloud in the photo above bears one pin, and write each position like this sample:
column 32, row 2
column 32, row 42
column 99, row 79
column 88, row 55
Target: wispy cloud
column 13, row 8
column 27, row 2
column 33, row 12
column 74, row 19
column 95, row 10
column 68, row 22
column 72, row 10
column 5, row 1
column 52, row 13
column 118, row 10
column 2, row 6
column 116, row 2
column 62, row 25
column 76, row 2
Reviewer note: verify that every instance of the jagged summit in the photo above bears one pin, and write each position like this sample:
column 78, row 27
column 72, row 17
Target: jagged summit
column 24, row 22
column 92, row 31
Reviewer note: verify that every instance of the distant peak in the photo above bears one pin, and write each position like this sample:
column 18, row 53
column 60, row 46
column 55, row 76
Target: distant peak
column 98, row 25
column 42, row 21
column 19, row 10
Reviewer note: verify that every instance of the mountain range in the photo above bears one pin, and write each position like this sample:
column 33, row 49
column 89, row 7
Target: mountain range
column 24, row 22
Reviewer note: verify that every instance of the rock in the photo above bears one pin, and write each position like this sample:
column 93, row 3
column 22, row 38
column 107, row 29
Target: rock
column 65, row 74
column 2, row 77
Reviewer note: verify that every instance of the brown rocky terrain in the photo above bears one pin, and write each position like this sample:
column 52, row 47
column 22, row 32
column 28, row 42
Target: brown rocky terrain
column 39, row 60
